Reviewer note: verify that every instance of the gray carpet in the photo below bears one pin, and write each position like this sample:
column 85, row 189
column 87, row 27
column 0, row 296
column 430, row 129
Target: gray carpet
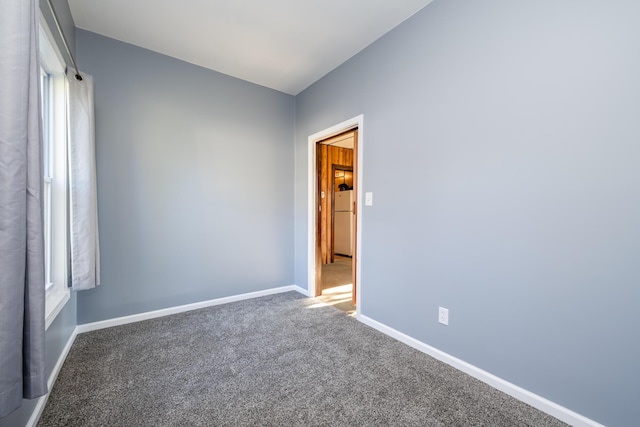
column 280, row 360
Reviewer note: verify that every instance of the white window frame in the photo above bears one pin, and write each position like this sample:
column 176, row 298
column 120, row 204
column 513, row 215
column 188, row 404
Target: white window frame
column 55, row 180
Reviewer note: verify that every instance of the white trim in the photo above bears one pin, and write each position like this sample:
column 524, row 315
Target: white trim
column 566, row 415
column 57, row 293
column 55, row 303
column 358, row 122
column 301, row 291
column 94, row 326
column 50, row 56
column 42, row 401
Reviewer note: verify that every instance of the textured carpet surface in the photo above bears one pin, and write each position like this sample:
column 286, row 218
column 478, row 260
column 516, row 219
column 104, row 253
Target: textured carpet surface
column 278, row 360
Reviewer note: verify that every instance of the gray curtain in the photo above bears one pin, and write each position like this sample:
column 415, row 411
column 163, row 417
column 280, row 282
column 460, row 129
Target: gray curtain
column 22, row 359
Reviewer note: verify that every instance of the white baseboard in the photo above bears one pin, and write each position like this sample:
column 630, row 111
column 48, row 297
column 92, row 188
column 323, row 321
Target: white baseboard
column 42, row 401
column 94, row 326
column 301, row 290
column 568, row 416
column 538, row 402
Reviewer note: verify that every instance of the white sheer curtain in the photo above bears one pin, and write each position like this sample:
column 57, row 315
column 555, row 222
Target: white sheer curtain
column 85, row 251
column 22, row 295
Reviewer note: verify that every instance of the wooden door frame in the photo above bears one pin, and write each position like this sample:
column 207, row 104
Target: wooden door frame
column 318, row 230
column 312, row 206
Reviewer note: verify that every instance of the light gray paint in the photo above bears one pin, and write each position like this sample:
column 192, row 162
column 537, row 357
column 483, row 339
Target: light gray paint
column 501, row 145
column 61, row 329
column 195, row 182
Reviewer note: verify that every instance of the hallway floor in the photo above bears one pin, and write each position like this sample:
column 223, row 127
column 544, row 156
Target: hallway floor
column 337, row 285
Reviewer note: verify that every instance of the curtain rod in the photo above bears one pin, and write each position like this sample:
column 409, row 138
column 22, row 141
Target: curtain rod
column 64, row 39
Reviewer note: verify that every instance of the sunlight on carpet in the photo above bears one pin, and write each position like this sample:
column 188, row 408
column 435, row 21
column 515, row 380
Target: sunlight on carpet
column 338, row 297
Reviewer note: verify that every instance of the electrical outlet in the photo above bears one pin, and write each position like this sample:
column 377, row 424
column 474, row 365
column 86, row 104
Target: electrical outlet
column 443, row 315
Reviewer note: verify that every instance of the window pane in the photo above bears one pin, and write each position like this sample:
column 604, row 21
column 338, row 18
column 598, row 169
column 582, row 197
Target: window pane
column 47, row 139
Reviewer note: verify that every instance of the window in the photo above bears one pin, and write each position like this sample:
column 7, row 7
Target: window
column 45, row 86
column 54, row 154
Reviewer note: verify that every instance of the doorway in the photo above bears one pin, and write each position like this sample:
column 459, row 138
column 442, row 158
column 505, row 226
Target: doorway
column 334, row 214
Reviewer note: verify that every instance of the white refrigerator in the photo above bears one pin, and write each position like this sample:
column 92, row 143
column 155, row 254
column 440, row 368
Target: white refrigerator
column 343, row 223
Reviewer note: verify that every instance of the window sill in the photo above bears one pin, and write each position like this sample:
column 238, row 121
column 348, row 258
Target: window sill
column 55, row 302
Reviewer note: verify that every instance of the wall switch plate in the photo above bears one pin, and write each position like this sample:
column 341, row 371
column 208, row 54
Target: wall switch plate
column 443, row 315
column 368, row 199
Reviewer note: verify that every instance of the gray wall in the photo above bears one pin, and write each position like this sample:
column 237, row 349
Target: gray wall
column 501, row 145
column 195, row 182
column 61, row 329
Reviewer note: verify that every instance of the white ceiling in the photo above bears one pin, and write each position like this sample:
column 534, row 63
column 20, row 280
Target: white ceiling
column 283, row 44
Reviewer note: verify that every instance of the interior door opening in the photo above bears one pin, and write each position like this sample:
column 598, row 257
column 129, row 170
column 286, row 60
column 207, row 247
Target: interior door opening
column 336, row 225
column 314, row 215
